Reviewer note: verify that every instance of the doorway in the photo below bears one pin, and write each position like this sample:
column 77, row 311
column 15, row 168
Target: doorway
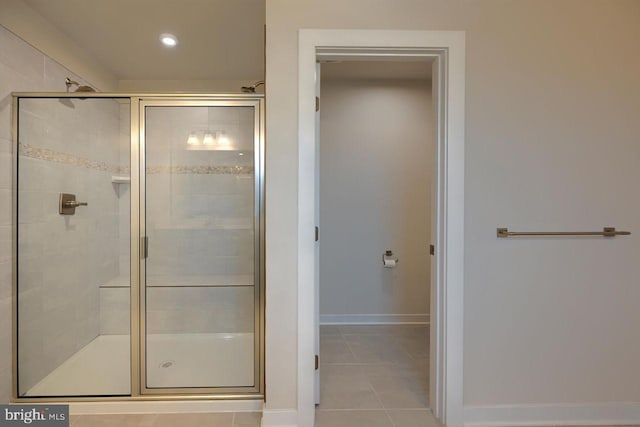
column 376, row 156
column 446, row 352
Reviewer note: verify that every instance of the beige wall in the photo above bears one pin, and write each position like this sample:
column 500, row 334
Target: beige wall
column 188, row 86
column 552, row 143
column 376, row 144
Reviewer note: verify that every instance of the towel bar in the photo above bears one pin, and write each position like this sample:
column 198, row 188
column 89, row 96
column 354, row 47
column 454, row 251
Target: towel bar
column 606, row 232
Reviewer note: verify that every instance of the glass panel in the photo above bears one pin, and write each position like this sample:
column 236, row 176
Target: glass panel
column 73, row 268
column 200, row 219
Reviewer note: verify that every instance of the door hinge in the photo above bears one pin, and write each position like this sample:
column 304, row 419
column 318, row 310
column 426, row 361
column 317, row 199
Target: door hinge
column 432, row 250
column 317, row 362
column 144, row 247
column 317, row 233
column 317, row 103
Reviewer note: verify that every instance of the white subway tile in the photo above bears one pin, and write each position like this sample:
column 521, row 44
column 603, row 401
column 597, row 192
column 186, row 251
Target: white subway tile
column 6, row 170
column 30, row 207
column 5, row 207
column 55, row 75
column 6, row 145
column 6, row 240
column 114, row 310
column 20, row 57
column 200, row 309
column 6, row 381
column 6, row 284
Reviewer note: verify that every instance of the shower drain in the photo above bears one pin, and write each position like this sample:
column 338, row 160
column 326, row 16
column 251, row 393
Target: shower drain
column 166, row 364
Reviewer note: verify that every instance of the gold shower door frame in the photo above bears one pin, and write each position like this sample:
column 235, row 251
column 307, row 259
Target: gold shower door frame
column 138, row 102
column 213, row 102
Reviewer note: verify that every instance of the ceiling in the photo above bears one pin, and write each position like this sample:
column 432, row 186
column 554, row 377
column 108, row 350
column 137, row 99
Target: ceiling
column 217, row 39
column 387, row 69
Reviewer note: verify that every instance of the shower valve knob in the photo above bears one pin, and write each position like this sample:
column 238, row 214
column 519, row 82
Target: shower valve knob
column 68, row 204
column 71, row 204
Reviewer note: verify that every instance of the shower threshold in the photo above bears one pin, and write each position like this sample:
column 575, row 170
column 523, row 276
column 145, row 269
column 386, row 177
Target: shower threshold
column 102, row 367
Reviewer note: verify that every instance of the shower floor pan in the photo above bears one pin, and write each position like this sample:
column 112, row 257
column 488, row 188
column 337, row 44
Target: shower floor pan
column 102, row 367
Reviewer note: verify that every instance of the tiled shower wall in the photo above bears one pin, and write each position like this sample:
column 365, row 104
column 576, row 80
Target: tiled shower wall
column 65, row 147
column 199, row 211
column 70, row 147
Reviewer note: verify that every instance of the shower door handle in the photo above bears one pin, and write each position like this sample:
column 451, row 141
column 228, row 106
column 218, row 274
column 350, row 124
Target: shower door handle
column 144, row 247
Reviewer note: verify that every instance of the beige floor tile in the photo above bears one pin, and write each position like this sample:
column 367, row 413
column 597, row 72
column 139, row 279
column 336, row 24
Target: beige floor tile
column 350, row 370
column 335, row 351
column 397, row 330
column 352, row 419
column 402, row 385
column 399, row 392
column 346, row 387
column 247, row 419
column 412, row 418
column 361, row 329
column 368, row 350
column 330, row 330
column 119, row 420
column 416, row 368
column 345, row 395
column 331, row 338
column 415, row 347
column 194, row 420
column 389, row 368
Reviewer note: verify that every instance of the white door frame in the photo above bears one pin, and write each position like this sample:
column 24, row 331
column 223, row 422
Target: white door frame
column 448, row 47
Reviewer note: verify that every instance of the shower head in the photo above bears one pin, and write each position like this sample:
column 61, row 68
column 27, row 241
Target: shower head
column 252, row 88
column 80, row 88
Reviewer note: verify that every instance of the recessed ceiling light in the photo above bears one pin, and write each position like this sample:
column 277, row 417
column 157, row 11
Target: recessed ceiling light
column 168, row 39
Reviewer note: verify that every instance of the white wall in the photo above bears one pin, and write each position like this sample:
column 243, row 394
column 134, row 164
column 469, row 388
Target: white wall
column 375, row 179
column 552, row 143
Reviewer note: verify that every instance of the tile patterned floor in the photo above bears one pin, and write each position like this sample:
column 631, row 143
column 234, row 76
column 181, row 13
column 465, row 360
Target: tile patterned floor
column 238, row 419
column 371, row 376
column 374, row 376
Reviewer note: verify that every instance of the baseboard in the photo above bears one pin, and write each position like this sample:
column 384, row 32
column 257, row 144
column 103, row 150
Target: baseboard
column 622, row 413
column 374, row 319
column 279, row 418
column 164, row 407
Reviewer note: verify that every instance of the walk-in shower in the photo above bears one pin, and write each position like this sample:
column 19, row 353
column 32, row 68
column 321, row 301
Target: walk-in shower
column 138, row 245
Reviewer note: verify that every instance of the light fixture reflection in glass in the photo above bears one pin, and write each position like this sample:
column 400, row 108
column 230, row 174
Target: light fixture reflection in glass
column 223, row 139
column 208, row 139
column 240, row 154
column 168, row 40
column 193, row 139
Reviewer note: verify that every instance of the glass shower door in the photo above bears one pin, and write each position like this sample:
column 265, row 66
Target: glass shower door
column 72, row 246
column 201, row 275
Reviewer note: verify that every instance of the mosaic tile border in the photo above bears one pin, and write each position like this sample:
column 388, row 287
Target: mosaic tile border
column 201, row 170
column 53, row 156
